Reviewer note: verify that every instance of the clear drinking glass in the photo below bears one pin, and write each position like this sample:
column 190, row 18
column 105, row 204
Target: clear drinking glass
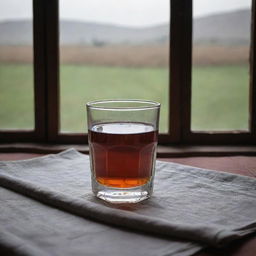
column 122, row 140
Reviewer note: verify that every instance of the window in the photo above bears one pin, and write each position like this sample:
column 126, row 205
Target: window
column 181, row 95
column 16, row 66
column 105, row 54
column 220, row 70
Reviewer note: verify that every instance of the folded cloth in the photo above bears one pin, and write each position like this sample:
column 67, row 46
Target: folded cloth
column 28, row 227
column 209, row 207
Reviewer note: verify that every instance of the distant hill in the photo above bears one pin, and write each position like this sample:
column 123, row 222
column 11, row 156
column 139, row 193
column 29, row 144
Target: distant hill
column 95, row 33
column 223, row 28
column 231, row 27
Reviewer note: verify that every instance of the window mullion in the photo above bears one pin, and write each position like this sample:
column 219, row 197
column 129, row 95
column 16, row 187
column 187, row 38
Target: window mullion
column 186, row 85
column 39, row 68
column 180, row 66
column 52, row 69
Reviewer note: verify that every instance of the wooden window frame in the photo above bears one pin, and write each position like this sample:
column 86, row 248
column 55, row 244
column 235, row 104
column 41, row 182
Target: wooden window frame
column 38, row 134
column 46, row 83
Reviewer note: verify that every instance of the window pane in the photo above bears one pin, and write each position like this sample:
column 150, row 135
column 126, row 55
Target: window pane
column 220, row 84
column 16, row 65
column 111, row 50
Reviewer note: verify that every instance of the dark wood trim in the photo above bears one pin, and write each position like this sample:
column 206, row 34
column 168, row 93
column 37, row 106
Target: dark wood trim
column 213, row 138
column 71, row 138
column 39, row 68
column 252, row 124
column 186, row 59
column 167, row 138
column 162, row 151
column 180, row 68
column 18, row 136
column 175, row 67
column 52, row 73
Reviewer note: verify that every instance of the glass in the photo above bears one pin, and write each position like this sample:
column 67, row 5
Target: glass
column 220, row 73
column 122, row 141
column 16, row 65
column 112, row 49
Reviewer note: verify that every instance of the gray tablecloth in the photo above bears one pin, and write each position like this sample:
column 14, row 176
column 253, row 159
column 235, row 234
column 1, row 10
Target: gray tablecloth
column 47, row 208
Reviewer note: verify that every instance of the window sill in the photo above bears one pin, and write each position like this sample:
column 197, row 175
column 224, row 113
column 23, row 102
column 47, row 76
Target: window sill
column 162, row 151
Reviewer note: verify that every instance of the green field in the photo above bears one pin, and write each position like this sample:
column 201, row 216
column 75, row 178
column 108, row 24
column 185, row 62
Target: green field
column 220, row 98
column 220, row 94
column 82, row 84
column 16, row 96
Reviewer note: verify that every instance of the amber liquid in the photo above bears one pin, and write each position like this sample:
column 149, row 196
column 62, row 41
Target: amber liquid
column 122, row 154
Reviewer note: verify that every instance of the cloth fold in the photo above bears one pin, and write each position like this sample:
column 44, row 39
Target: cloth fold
column 209, row 207
column 31, row 228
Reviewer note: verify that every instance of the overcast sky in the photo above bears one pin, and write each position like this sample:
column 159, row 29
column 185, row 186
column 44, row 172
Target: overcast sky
column 124, row 12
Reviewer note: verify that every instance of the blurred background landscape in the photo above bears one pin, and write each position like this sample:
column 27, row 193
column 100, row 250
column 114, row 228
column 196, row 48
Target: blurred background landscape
column 218, row 39
column 104, row 60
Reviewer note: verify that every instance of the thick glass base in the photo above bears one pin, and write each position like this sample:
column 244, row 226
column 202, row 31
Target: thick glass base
column 122, row 195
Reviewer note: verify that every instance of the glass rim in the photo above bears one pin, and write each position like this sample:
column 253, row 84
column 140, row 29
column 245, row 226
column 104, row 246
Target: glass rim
column 146, row 104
